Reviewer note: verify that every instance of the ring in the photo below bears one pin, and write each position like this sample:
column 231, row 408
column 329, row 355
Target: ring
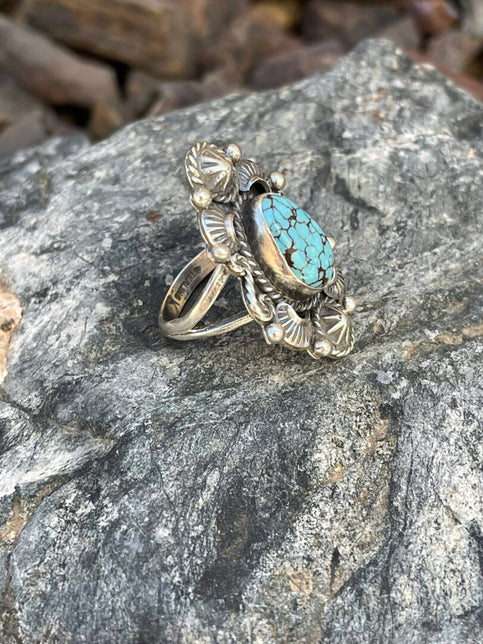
column 283, row 260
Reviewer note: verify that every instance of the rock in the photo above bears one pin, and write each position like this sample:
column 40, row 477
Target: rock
column 152, row 35
column 172, row 95
column 9, row 6
column 175, row 94
column 473, row 17
column 348, row 22
column 432, row 17
column 146, row 94
column 10, row 315
column 106, row 118
column 31, row 129
column 52, row 72
column 154, row 491
column 290, row 66
column 208, row 19
column 454, row 50
column 15, row 170
column 15, row 102
column 248, row 40
column 282, row 13
column 141, row 91
column 402, row 33
column 471, row 85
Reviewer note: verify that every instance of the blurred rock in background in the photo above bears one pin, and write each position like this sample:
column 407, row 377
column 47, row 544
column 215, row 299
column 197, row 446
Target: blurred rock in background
column 70, row 65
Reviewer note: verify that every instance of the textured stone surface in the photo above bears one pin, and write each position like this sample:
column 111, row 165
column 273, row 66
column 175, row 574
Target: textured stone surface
column 300, row 239
column 228, row 491
column 155, row 35
column 50, row 71
column 15, row 102
column 288, row 66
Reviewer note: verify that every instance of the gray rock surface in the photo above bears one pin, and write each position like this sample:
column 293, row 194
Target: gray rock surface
column 225, row 491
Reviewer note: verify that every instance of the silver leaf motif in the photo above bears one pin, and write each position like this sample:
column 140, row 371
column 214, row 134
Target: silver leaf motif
column 332, row 323
column 209, row 167
column 298, row 330
column 216, row 227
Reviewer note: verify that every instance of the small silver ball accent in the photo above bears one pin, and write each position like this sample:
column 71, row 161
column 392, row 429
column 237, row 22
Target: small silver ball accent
column 349, row 304
column 221, row 253
column 278, row 181
column 331, row 241
column 201, row 198
column 323, row 347
column 275, row 333
column 233, row 151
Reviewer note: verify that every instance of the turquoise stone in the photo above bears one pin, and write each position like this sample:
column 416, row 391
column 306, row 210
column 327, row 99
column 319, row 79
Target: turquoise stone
column 300, row 239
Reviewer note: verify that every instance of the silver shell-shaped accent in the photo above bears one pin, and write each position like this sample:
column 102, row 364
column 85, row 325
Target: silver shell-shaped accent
column 298, row 331
column 248, row 174
column 332, row 323
column 336, row 290
column 209, row 167
column 216, row 227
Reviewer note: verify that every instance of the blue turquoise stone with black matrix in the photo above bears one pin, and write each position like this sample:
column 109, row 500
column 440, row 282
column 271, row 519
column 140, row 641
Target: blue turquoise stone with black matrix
column 300, row 239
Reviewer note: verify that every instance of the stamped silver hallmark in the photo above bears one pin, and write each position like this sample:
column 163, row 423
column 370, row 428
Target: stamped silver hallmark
column 282, row 258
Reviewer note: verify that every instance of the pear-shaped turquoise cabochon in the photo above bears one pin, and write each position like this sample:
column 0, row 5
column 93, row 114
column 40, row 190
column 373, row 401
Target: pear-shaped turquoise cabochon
column 300, row 240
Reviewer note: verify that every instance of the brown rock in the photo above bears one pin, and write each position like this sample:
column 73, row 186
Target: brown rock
column 345, row 21
column 176, row 94
column 402, row 33
column 154, row 35
column 432, row 17
column 141, row 90
column 50, row 71
column 9, row 6
column 454, row 50
column 33, row 128
column 209, row 18
column 10, row 315
column 15, row 102
column 287, row 67
column 106, row 118
column 248, row 41
column 284, row 14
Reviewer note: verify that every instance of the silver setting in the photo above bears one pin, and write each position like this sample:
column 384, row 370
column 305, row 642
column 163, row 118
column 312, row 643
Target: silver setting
column 227, row 192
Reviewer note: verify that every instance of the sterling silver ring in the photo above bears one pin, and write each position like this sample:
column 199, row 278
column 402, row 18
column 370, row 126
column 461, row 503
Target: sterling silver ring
column 283, row 260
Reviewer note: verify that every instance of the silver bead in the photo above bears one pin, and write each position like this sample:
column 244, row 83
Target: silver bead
column 221, row 253
column 349, row 304
column 278, row 181
column 274, row 333
column 323, row 347
column 233, row 151
column 331, row 241
column 201, row 198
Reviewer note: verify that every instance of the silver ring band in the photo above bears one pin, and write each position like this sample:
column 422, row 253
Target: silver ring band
column 182, row 326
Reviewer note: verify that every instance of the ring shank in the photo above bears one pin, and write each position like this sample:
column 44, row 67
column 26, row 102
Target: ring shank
column 174, row 324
